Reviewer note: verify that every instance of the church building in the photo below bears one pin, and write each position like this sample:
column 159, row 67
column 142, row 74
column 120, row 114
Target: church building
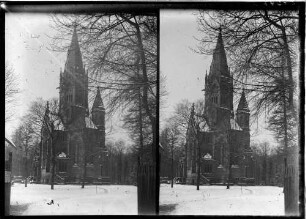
column 222, row 137
column 79, row 134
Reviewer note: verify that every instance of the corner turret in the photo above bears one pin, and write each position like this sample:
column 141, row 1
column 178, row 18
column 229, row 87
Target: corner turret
column 243, row 113
column 98, row 111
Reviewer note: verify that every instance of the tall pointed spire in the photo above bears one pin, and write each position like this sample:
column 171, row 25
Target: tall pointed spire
column 74, row 63
column 219, row 61
column 243, row 104
column 98, row 103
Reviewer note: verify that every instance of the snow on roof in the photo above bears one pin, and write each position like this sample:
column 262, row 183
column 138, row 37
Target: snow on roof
column 58, row 125
column 207, row 157
column 204, row 127
column 224, row 108
column 234, row 125
column 10, row 143
column 89, row 123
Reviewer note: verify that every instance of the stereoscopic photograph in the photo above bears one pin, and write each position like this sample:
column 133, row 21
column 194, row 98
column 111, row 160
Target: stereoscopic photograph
column 154, row 109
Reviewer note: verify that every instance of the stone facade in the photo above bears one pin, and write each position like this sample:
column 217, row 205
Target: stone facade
column 223, row 136
column 78, row 135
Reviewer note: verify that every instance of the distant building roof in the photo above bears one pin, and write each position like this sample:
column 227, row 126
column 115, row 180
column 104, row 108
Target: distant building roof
column 207, row 157
column 204, row 127
column 243, row 104
column 10, row 143
column 58, row 125
column 98, row 103
column 89, row 123
column 234, row 125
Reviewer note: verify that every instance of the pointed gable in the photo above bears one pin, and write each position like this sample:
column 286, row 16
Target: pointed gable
column 74, row 63
column 219, row 62
column 98, row 103
column 243, row 104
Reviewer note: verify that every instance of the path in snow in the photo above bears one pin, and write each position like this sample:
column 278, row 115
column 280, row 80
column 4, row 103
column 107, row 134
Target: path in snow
column 217, row 200
column 73, row 200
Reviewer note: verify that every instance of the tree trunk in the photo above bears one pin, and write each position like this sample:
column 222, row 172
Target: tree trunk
column 288, row 64
column 145, row 92
column 53, row 163
column 198, row 161
column 84, row 172
column 229, row 161
column 265, row 164
column 185, row 164
column 39, row 163
column 172, row 163
column 26, row 167
column 140, row 126
column 229, row 174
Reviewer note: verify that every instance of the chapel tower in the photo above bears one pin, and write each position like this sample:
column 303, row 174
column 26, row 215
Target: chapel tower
column 243, row 119
column 73, row 84
column 98, row 116
column 243, row 113
column 219, row 89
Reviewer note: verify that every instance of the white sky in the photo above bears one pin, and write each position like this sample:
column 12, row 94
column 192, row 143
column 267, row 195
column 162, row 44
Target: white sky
column 38, row 69
column 184, row 69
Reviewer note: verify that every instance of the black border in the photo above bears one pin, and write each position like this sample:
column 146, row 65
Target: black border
column 147, row 8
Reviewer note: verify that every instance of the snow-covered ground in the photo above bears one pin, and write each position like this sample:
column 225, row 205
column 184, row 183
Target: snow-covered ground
column 73, row 200
column 120, row 200
column 217, row 200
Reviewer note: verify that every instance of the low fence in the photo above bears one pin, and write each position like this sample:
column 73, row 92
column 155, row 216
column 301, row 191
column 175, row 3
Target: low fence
column 146, row 185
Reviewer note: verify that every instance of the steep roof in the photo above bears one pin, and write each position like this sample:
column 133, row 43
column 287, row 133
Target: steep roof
column 74, row 63
column 58, row 125
column 89, row 123
column 243, row 104
column 10, row 143
column 234, row 125
column 219, row 61
column 98, row 103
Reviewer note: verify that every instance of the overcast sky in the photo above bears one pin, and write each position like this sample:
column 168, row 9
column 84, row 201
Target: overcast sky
column 27, row 39
column 184, row 69
column 38, row 69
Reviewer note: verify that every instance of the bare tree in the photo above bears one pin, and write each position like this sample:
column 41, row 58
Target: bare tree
column 24, row 138
column 170, row 140
column 11, row 91
column 45, row 118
